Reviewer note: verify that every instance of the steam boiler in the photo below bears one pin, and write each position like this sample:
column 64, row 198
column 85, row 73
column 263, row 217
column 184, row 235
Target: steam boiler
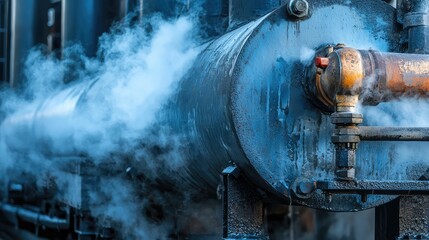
column 285, row 103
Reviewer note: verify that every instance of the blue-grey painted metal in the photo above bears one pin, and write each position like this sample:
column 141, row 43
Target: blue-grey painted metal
column 243, row 102
column 28, row 29
column 84, row 21
column 416, row 25
column 242, row 11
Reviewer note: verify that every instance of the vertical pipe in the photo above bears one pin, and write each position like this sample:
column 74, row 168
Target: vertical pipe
column 129, row 6
column 416, row 23
column 84, row 21
column 5, row 26
column 28, row 29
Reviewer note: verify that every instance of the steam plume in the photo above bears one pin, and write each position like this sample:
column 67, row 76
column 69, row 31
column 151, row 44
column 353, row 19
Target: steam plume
column 132, row 78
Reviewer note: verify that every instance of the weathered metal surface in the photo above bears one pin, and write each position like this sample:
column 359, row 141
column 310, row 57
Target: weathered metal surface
column 244, row 102
column 243, row 11
column 298, row 8
column 413, row 14
column 393, row 134
column 243, row 210
column 406, row 74
column 374, row 187
column 346, row 139
column 299, row 142
column 413, row 217
column 374, row 76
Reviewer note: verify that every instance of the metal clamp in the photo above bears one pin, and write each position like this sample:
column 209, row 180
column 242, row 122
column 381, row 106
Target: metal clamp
column 416, row 19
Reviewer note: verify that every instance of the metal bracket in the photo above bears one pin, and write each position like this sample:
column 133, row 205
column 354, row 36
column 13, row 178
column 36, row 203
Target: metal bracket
column 403, row 218
column 243, row 210
column 374, row 187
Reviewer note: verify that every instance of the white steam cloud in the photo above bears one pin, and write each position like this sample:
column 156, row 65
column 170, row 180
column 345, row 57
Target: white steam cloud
column 132, row 79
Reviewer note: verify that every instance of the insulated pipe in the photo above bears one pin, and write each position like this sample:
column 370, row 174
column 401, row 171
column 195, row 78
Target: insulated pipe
column 348, row 74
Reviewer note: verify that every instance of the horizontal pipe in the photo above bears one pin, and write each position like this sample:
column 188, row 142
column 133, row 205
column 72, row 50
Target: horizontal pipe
column 34, row 217
column 348, row 74
column 373, row 187
column 394, row 133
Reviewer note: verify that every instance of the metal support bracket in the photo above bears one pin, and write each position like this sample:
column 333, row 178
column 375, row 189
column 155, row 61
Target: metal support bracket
column 374, row 187
column 243, row 210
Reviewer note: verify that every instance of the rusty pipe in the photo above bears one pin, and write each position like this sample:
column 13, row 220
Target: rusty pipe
column 349, row 74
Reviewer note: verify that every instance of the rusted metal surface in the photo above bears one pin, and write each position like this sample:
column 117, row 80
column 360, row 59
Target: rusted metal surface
column 351, row 70
column 371, row 76
column 340, row 82
column 406, row 74
column 243, row 102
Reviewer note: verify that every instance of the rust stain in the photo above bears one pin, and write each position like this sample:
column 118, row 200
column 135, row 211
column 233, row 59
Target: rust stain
column 407, row 77
column 352, row 72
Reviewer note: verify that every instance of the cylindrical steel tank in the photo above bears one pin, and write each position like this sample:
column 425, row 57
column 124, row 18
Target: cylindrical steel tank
column 242, row 11
column 244, row 103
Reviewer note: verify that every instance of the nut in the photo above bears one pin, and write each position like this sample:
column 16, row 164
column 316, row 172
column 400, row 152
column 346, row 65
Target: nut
column 345, row 158
column 347, row 131
column 298, row 8
column 345, row 174
column 346, row 118
column 345, row 138
column 306, row 187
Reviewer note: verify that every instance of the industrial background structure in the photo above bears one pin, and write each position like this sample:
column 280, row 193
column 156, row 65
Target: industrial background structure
column 282, row 106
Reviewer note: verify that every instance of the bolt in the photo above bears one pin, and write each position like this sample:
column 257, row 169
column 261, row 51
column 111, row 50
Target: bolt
column 306, row 187
column 328, row 197
column 298, row 8
column 364, row 198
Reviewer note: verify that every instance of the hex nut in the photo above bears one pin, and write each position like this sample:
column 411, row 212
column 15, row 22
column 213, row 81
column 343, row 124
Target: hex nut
column 345, row 158
column 346, row 118
column 345, row 174
column 345, row 138
column 298, row 8
column 306, row 187
column 347, row 131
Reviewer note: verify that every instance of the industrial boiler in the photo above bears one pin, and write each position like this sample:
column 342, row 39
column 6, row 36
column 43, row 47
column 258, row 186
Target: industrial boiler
column 125, row 119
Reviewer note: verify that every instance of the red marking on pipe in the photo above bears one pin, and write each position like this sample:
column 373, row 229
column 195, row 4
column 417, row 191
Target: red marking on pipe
column 322, row 62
